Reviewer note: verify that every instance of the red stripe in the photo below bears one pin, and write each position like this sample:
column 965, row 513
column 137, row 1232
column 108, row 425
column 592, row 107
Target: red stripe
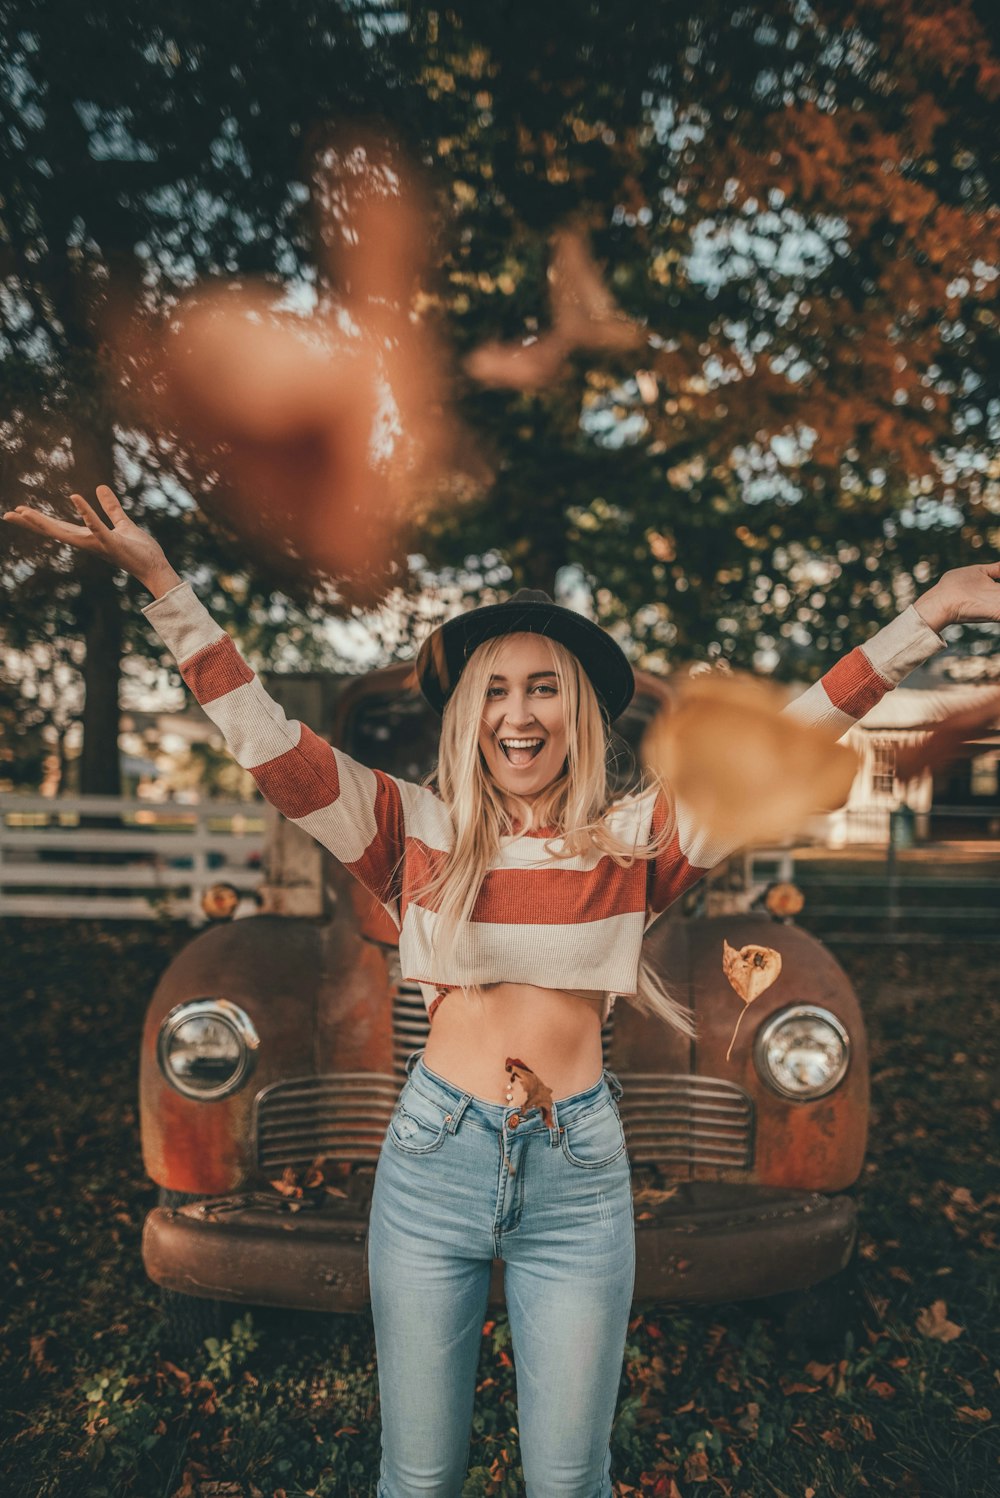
column 669, row 875
column 216, row 670
column 540, row 896
column 854, row 685
column 379, row 867
column 303, row 779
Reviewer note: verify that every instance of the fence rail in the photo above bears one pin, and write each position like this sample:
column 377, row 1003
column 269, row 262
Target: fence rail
column 59, row 856
column 901, row 888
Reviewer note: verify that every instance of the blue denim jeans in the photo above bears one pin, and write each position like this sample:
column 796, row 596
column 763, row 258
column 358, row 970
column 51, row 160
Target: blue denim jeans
column 459, row 1182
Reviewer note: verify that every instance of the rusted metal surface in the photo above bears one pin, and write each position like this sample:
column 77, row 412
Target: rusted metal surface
column 805, row 1145
column 317, row 994
column 717, row 1243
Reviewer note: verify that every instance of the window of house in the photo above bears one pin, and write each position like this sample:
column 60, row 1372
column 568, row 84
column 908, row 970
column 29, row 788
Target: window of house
column 883, row 766
column 983, row 774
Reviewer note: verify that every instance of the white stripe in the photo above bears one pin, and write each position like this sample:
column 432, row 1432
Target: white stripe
column 904, row 643
column 254, row 726
column 813, row 706
column 182, row 622
column 601, row 955
column 348, row 826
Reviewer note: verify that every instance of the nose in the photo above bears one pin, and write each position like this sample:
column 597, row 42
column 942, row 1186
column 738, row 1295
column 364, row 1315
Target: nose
column 519, row 711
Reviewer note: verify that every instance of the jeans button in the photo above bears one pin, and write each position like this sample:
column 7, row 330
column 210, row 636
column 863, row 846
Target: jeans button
column 513, row 1120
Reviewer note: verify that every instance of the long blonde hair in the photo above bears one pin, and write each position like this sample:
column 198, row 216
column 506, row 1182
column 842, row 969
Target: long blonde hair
column 576, row 804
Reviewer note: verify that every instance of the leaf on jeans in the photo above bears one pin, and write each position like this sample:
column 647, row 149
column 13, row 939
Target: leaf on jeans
column 537, row 1095
column 750, row 970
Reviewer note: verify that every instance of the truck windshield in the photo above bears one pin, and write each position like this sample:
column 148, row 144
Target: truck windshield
column 399, row 735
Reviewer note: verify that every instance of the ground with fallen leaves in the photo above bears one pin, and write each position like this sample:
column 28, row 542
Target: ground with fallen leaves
column 714, row 1400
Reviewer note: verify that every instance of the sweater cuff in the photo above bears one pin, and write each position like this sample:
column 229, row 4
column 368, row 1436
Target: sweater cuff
column 182, row 621
column 902, row 645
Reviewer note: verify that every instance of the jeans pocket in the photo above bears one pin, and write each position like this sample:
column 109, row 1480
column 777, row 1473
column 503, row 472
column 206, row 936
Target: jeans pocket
column 596, row 1139
column 418, row 1124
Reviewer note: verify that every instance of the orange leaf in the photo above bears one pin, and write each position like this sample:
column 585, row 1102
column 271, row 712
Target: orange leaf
column 933, row 1322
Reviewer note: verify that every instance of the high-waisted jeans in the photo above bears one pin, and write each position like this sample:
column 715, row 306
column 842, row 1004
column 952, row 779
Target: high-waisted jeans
column 459, row 1182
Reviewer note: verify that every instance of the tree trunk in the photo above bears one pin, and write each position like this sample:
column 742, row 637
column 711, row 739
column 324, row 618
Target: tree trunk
column 100, row 617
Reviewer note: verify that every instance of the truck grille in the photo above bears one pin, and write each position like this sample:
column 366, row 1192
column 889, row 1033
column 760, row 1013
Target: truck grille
column 342, row 1116
column 684, row 1123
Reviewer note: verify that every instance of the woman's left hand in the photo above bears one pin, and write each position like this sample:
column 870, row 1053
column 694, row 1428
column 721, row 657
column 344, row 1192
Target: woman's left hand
column 964, row 595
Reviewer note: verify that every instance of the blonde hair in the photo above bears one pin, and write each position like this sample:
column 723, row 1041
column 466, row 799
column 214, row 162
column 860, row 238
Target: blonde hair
column 575, row 803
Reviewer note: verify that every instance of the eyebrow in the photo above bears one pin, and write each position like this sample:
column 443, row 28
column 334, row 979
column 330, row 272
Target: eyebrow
column 498, row 677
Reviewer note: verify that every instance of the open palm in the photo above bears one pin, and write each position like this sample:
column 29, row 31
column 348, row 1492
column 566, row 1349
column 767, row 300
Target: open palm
column 123, row 543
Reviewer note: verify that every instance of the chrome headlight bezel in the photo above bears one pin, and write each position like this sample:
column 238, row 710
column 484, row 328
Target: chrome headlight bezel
column 777, row 1021
column 223, row 1011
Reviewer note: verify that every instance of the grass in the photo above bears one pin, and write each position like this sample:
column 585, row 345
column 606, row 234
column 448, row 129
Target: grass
column 713, row 1400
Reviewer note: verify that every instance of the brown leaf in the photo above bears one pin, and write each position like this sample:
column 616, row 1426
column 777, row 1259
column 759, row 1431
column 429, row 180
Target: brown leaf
column 966, row 1413
column 584, row 315
column 933, row 1322
column 536, row 1092
column 749, row 772
column 750, row 971
column 36, row 1352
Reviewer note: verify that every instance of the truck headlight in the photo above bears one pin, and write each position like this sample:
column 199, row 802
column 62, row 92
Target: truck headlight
column 802, row 1052
column 207, row 1048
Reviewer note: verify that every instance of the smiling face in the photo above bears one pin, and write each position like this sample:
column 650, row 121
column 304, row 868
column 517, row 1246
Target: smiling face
column 522, row 733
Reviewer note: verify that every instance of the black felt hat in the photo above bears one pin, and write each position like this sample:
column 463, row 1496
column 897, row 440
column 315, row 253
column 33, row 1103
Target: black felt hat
column 443, row 655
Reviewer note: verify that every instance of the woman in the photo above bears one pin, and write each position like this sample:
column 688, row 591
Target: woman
column 521, row 893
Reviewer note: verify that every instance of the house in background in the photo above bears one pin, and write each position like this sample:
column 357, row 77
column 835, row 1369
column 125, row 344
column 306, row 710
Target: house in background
column 958, row 801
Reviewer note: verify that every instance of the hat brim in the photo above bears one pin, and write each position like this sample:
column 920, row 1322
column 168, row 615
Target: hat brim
column 444, row 654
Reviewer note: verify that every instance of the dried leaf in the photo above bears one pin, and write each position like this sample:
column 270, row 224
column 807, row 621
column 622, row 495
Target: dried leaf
column 747, row 771
column 536, row 1092
column 966, row 1413
column 584, row 315
column 750, row 970
column 933, row 1322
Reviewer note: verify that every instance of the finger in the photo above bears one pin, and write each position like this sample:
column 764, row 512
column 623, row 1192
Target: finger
column 46, row 525
column 91, row 518
column 110, row 504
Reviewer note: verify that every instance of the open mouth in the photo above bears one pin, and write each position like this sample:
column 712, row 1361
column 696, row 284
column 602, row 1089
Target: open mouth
column 521, row 751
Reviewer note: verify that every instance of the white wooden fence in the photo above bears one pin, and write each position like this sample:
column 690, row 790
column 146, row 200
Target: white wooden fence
column 155, row 865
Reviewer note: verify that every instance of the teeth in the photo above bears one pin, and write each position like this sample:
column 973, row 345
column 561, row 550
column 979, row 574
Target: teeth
column 520, row 743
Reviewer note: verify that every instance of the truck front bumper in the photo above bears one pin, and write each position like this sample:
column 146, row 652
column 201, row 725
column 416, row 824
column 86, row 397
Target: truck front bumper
column 711, row 1241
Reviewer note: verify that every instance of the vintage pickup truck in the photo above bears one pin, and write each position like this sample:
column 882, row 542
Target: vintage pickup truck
column 275, row 1046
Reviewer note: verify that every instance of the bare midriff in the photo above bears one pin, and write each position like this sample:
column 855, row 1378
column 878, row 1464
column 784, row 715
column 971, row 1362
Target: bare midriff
column 557, row 1035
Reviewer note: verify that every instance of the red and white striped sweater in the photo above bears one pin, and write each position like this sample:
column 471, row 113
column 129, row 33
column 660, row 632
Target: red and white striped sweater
column 574, row 923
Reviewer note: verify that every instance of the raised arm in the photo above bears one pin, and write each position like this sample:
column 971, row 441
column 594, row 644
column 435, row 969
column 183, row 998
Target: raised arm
column 835, row 702
column 355, row 812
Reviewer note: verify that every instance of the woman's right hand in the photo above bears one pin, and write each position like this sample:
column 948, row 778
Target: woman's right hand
column 124, row 544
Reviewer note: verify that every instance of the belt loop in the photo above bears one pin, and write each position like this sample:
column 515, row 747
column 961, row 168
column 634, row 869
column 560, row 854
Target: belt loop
column 616, row 1087
column 412, row 1058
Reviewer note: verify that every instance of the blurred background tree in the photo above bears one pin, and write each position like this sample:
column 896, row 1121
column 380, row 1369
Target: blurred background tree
column 798, row 204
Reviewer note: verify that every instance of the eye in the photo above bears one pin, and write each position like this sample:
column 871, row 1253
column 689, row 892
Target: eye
column 493, row 691
column 545, row 686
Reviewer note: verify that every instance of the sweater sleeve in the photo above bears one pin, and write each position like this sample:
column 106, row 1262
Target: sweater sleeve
column 355, row 812
column 834, row 703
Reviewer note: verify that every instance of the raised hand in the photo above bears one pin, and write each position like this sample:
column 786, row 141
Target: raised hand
column 123, row 543
column 963, row 595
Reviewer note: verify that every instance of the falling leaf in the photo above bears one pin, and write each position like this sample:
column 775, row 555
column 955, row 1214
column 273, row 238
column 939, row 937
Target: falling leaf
column 947, row 738
column 584, row 315
column 750, row 970
column 287, row 414
column 747, row 771
column 933, row 1322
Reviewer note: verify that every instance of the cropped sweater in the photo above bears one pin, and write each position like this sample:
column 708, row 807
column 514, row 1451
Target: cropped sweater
column 565, row 923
